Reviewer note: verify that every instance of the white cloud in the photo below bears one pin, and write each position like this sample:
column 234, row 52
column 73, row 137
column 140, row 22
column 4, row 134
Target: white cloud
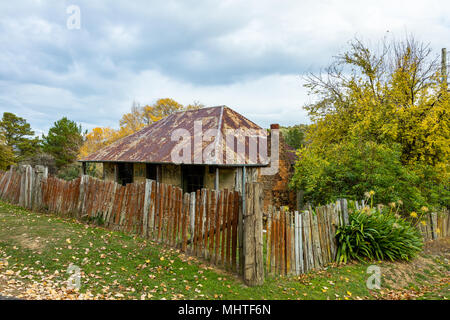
column 265, row 100
column 248, row 55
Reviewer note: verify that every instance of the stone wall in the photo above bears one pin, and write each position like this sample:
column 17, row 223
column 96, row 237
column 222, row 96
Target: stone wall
column 139, row 172
column 226, row 178
column 171, row 174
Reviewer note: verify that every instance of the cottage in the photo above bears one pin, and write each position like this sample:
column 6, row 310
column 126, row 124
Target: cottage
column 215, row 148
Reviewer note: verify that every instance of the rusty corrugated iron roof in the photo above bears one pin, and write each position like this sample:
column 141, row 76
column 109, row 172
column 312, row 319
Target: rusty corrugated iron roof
column 157, row 142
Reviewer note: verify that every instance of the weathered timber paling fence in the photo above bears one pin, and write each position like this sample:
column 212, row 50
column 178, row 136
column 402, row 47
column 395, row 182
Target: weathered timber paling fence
column 217, row 226
column 437, row 225
column 203, row 223
column 297, row 242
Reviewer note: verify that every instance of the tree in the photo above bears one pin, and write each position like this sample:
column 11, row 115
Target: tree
column 141, row 116
column 294, row 136
column 195, row 106
column 161, row 109
column 63, row 142
column 135, row 120
column 97, row 139
column 15, row 133
column 391, row 99
column 6, row 155
column 392, row 96
column 349, row 169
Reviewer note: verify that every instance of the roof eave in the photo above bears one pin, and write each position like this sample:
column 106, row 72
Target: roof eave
column 196, row 164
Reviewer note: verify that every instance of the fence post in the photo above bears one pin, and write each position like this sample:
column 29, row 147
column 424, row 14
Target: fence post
column 298, row 243
column 192, row 216
column 3, row 183
column 446, row 223
column 81, row 197
column 26, row 176
column 22, row 186
column 268, row 239
column 147, row 193
column 433, row 220
column 253, row 238
column 344, row 212
column 10, row 174
column 29, row 173
column 41, row 173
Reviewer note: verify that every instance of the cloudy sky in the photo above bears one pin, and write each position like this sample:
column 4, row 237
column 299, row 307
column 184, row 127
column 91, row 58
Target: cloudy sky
column 248, row 55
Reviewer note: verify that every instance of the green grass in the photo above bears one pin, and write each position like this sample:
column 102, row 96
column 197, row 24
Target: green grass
column 42, row 246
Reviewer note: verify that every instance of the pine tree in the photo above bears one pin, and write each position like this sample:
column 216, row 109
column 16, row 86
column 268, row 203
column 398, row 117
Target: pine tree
column 16, row 134
column 63, row 141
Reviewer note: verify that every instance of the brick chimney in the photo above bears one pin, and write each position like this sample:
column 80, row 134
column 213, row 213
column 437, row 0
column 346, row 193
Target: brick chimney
column 274, row 126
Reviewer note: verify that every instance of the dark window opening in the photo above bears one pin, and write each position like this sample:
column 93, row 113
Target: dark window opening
column 125, row 173
column 151, row 171
column 193, row 178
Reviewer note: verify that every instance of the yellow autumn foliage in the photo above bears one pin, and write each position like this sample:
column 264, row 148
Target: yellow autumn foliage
column 395, row 96
column 380, row 119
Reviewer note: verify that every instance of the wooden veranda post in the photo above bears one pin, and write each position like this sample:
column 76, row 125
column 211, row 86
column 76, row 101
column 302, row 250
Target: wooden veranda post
column 253, row 237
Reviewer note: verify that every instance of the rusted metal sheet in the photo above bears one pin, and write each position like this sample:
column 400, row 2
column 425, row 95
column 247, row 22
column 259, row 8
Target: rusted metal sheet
column 154, row 144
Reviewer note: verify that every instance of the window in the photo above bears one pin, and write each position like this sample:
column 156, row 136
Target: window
column 193, row 177
column 125, row 173
column 151, row 171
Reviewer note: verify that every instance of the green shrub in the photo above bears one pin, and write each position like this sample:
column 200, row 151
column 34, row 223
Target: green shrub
column 70, row 172
column 374, row 235
column 350, row 168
